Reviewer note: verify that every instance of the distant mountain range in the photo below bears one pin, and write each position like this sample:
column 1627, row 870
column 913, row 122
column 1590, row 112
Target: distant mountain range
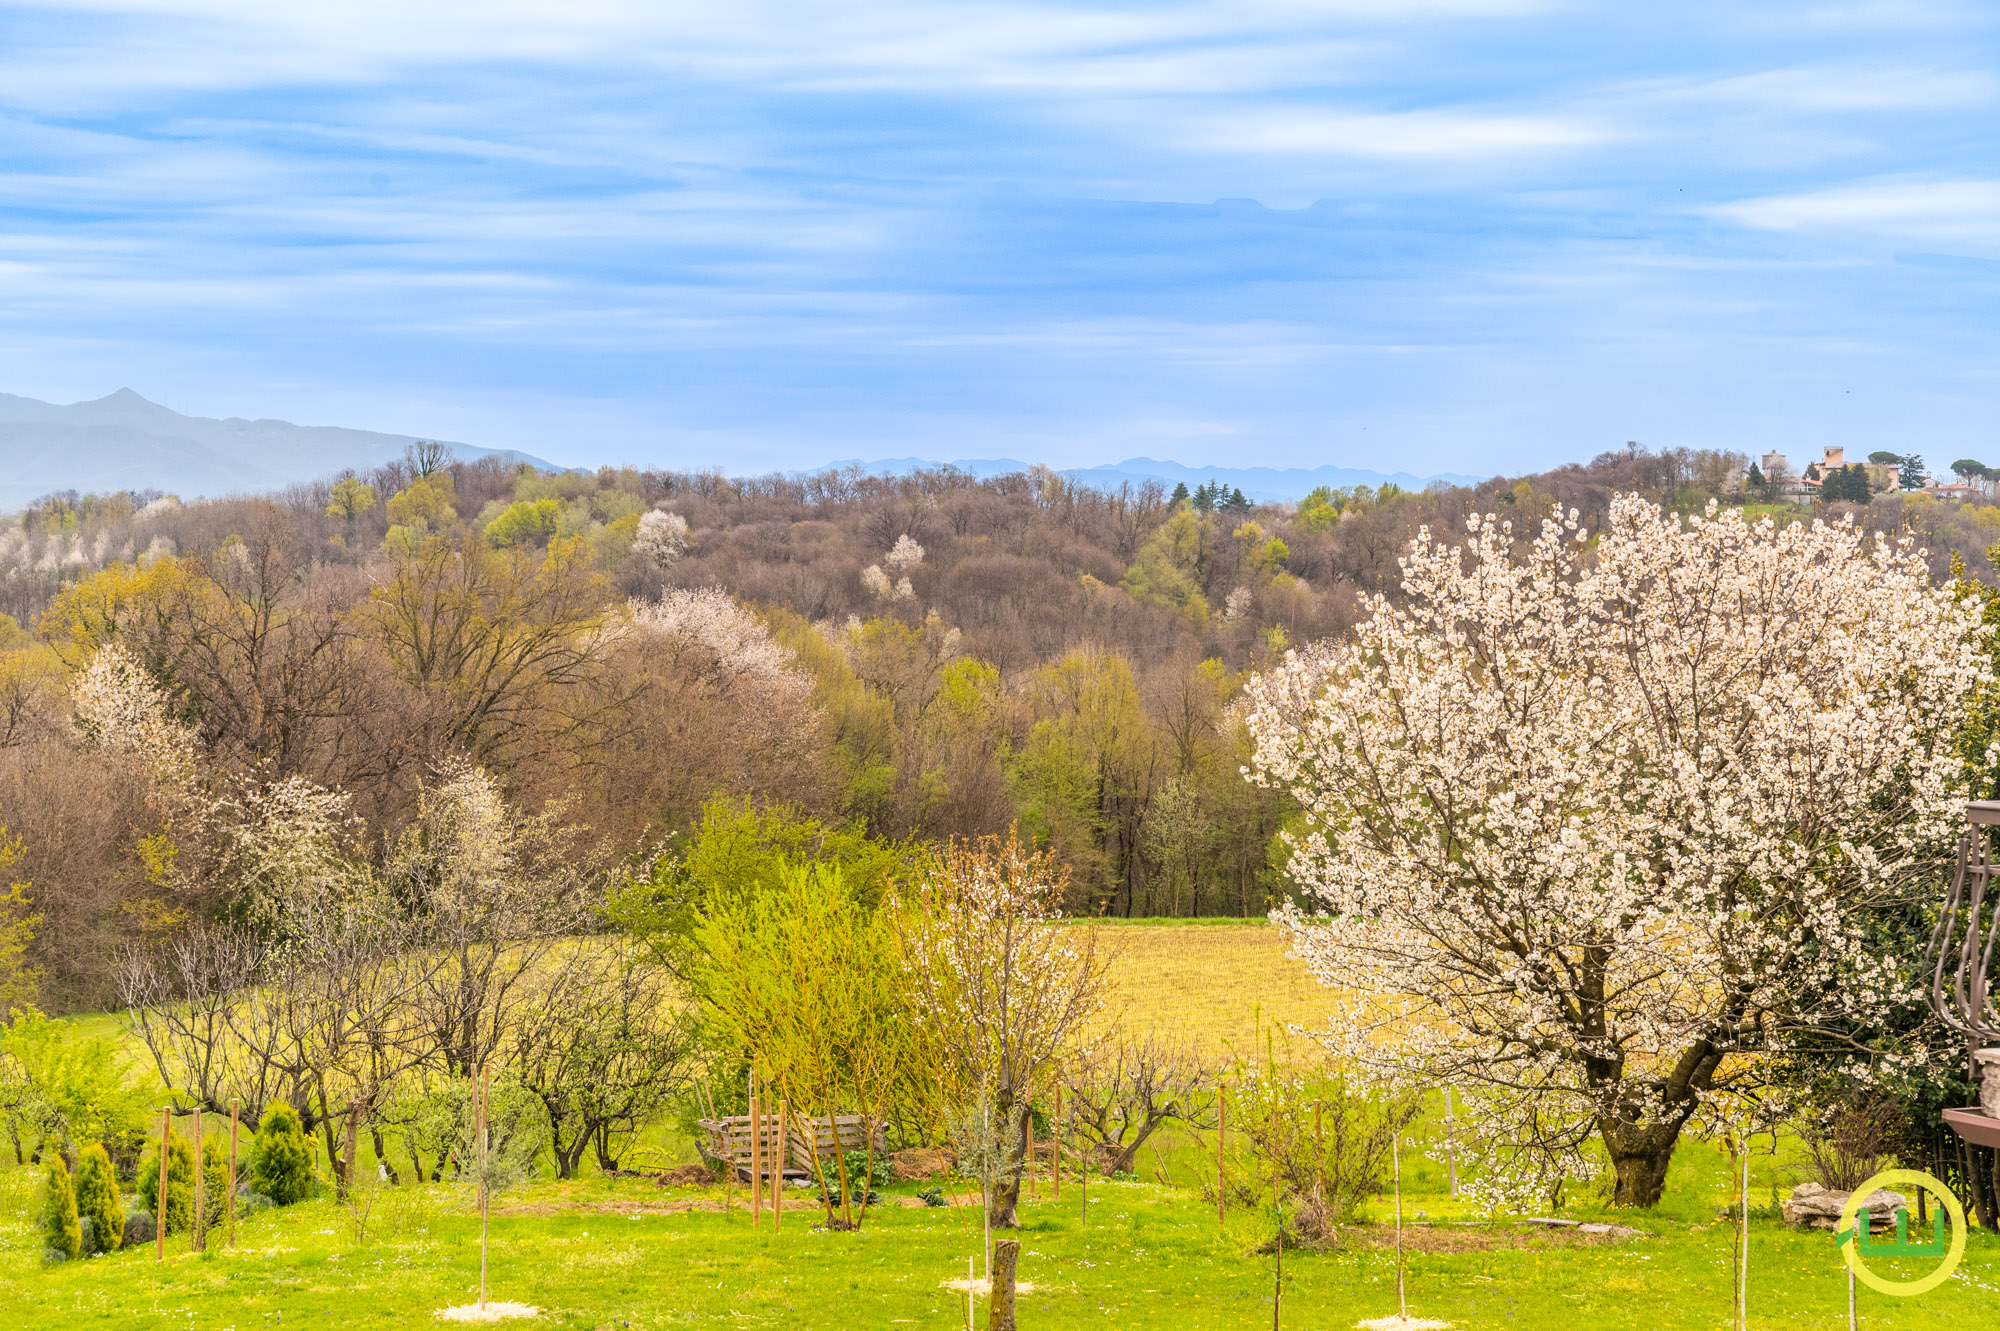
column 124, row 442
column 1259, row 484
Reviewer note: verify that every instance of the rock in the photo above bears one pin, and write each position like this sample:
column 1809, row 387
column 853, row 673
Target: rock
column 1819, row 1207
column 1612, row 1231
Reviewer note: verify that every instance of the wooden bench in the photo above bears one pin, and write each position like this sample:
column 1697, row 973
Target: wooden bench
column 729, row 1141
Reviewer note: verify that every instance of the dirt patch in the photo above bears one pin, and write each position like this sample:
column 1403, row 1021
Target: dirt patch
column 687, row 1176
column 920, row 1162
column 1481, row 1238
column 497, row 1310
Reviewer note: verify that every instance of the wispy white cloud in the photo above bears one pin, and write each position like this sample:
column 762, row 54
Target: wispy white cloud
column 1408, row 134
column 1851, row 88
column 1948, row 210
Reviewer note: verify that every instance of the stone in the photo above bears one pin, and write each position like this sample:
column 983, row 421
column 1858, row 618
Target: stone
column 1818, row 1207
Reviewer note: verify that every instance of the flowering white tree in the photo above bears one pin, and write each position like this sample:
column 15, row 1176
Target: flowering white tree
column 708, row 620
column 662, row 537
column 1002, row 988
column 905, row 555
column 1590, row 827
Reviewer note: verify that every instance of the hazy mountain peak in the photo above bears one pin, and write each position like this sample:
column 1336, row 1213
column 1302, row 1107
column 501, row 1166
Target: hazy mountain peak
column 124, row 441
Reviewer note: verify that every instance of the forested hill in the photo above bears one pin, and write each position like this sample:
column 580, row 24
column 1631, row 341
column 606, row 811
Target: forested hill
column 925, row 655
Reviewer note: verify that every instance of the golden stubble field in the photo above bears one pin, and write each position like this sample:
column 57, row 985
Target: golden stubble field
column 1218, row 986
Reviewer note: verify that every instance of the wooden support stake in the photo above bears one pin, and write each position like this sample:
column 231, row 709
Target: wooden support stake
column 756, row 1185
column 1031, row 1152
column 1278, row 1272
column 485, row 1197
column 1743, row 1238
column 200, row 1187
column 160, row 1204
column 1396, row 1158
column 1221, row 1169
column 1062, row 1131
column 235, row 1110
column 778, row 1170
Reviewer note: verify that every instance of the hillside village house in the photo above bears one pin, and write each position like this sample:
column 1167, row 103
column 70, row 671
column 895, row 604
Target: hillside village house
column 1882, row 476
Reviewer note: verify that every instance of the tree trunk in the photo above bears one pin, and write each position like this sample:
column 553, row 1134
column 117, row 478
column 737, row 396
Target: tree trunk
column 1122, row 1156
column 353, row 1145
column 1000, row 1300
column 1640, row 1156
column 382, row 1154
column 1004, row 1195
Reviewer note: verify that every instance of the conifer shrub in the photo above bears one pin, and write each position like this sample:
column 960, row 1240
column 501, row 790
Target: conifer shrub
column 281, row 1157
column 60, row 1231
column 215, row 1176
column 178, row 1213
column 98, row 1199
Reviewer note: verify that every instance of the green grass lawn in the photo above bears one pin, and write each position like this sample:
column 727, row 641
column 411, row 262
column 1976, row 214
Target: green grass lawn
column 615, row 1253
column 605, row 1253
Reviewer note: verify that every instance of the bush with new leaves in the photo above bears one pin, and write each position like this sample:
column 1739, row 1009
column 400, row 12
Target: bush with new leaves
column 281, row 1158
column 60, row 1231
column 178, row 1213
column 98, row 1199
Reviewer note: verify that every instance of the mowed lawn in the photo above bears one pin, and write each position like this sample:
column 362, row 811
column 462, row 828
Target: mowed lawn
column 620, row 1253
column 624, row 1253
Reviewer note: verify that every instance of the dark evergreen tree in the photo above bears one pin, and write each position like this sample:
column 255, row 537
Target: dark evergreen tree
column 1180, row 493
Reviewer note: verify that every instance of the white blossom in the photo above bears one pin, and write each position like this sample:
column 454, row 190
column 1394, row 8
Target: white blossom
column 1588, row 835
column 712, row 619
column 905, row 555
column 876, row 583
column 662, row 537
column 1237, row 604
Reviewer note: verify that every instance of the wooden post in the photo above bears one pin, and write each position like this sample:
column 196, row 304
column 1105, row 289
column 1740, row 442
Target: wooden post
column 778, row 1169
column 200, row 1187
column 972, row 1283
column 1450, row 1141
column 1221, row 1144
column 485, row 1197
column 1278, row 1272
column 235, row 1110
column 1031, row 1152
column 1062, row 1131
column 1000, row 1298
column 160, row 1204
column 1743, row 1239
column 1396, row 1158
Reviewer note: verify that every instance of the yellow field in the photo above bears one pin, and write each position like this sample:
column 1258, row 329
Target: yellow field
column 1216, row 985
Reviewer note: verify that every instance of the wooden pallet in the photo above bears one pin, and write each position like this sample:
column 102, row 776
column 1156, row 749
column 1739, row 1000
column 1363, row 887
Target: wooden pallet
column 729, row 1140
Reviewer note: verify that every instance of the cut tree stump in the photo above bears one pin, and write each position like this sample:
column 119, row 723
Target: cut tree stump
column 1000, row 1308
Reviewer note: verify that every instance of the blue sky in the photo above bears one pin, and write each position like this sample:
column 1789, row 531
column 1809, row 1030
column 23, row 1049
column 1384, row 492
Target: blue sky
column 1445, row 235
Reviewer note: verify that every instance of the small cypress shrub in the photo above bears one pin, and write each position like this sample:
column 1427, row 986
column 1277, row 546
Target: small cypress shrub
column 281, row 1158
column 138, row 1229
column 97, row 1198
column 178, row 1213
column 59, row 1222
column 215, row 1175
